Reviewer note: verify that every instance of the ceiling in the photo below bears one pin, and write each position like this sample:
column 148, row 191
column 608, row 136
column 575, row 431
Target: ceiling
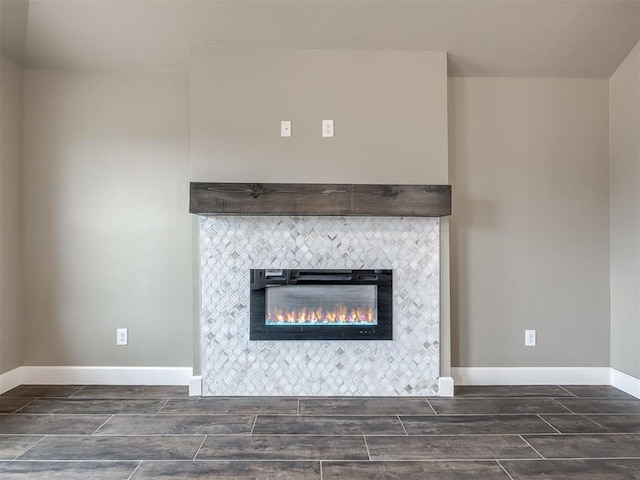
column 533, row 38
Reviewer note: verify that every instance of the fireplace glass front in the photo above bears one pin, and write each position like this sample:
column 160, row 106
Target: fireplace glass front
column 321, row 305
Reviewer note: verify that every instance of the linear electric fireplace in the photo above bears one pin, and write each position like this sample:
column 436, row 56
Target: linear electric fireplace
column 321, row 305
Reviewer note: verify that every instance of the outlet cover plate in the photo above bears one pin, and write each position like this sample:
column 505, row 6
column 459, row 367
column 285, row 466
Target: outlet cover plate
column 122, row 336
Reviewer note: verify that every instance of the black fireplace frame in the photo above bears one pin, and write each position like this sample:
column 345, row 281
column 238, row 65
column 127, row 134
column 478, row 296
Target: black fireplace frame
column 261, row 279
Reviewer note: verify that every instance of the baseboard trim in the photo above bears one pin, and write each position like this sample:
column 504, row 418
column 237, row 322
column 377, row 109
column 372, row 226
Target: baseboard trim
column 626, row 383
column 11, row 379
column 98, row 376
column 531, row 375
column 195, row 386
column 184, row 376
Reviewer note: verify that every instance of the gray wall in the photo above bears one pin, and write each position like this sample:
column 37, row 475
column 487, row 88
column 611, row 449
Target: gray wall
column 107, row 236
column 108, row 242
column 389, row 111
column 529, row 231
column 11, row 331
column 624, row 93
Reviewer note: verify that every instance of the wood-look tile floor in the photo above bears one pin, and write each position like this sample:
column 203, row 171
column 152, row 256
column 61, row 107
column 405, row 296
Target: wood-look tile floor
column 160, row 433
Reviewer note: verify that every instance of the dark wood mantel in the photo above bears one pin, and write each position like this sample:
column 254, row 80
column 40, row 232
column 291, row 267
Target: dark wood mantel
column 315, row 199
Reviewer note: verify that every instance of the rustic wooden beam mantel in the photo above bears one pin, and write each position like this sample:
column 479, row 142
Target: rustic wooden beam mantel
column 315, row 199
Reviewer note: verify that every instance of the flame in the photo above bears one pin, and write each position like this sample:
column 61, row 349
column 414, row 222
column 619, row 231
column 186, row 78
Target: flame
column 340, row 314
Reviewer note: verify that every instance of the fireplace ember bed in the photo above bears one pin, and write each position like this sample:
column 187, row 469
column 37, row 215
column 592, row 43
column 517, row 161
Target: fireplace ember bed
column 321, row 304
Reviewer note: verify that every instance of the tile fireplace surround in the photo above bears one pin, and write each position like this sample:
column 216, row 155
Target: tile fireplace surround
column 233, row 365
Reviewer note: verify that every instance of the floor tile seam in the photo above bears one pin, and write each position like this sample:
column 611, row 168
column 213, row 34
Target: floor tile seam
column 37, row 460
column 199, row 448
column 78, row 391
column 169, row 461
column 542, row 418
column 475, row 435
column 17, row 415
column 402, row 425
column 130, row 397
column 612, row 414
column 444, row 459
column 162, row 406
column 372, row 415
column 30, row 447
column 283, row 459
column 74, row 400
column 566, row 459
column 243, row 412
column 504, row 469
column 313, row 461
column 457, row 414
column 329, row 434
column 289, row 434
column 563, row 406
column 310, row 461
column 26, row 405
column 49, row 434
column 134, row 470
column 503, row 397
column 581, row 434
column 180, row 435
column 97, row 414
column 531, row 446
column 624, row 398
column 357, row 415
column 486, row 460
column 168, row 414
column 431, row 406
column 445, row 415
column 596, row 423
column 570, row 393
column 103, row 424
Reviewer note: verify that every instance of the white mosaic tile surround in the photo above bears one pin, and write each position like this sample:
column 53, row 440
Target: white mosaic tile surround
column 233, row 365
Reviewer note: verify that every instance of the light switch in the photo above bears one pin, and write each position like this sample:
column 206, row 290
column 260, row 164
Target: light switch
column 285, row 128
column 529, row 338
column 327, row 128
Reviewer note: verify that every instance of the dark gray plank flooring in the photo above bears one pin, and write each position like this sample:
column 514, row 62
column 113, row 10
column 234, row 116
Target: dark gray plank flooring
column 152, row 432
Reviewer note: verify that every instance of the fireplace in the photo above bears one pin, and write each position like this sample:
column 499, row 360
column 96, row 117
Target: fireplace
column 324, row 227
column 320, row 304
column 233, row 364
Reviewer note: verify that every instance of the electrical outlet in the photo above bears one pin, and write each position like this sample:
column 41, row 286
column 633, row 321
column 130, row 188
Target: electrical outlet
column 529, row 338
column 327, row 128
column 122, row 336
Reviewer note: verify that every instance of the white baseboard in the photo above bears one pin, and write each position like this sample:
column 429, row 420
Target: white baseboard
column 11, row 379
column 626, row 383
column 183, row 376
column 195, row 386
column 531, row 375
column 95, row 376
column 445, row 387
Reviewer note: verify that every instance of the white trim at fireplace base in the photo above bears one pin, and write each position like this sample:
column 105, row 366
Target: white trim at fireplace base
column 95, row 376
column 195, row 386
column 546, row 376
column 445, row 387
